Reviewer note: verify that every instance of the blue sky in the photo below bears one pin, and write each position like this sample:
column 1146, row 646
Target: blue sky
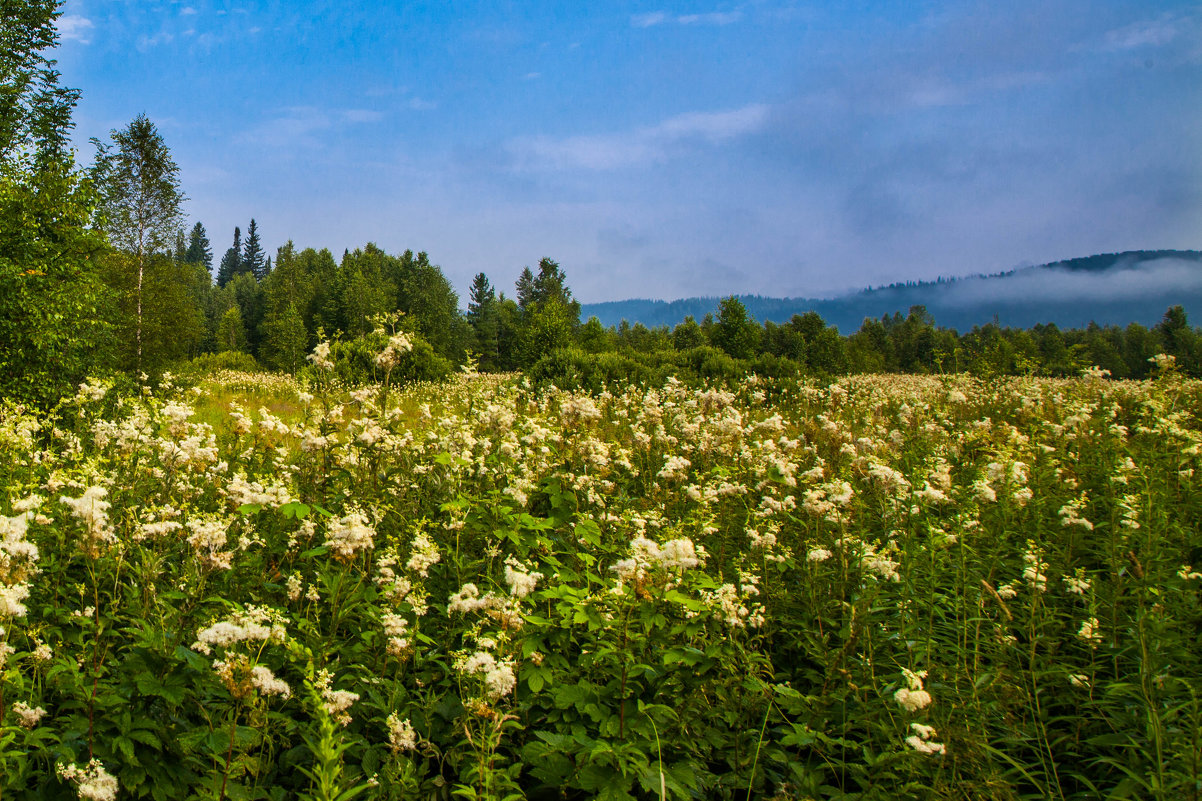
column 667, row 149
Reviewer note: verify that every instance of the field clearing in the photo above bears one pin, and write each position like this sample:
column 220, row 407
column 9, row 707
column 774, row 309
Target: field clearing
column 882, row 587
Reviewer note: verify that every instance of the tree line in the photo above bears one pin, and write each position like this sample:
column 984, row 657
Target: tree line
column 98, row 272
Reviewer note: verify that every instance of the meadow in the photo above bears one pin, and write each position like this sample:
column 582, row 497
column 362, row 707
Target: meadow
column 886, row 587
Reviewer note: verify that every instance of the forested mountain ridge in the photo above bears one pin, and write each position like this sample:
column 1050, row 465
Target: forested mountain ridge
column 1109, row 289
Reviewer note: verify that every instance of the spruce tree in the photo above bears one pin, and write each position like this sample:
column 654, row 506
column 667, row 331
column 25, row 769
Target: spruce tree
column 231, row 262
column 482, row 317
column 200, row 250
column 254, row 260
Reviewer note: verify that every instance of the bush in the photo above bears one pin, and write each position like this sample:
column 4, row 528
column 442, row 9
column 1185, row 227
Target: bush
column 209, row 364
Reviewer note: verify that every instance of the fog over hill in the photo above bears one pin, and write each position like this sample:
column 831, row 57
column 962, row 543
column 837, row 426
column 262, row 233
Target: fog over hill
column 1109, row 289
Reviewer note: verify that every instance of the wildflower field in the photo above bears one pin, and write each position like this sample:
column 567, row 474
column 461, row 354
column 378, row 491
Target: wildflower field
column 883, row 587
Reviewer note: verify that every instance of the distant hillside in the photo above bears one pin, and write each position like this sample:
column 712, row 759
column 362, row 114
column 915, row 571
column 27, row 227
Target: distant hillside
column 1111, row 288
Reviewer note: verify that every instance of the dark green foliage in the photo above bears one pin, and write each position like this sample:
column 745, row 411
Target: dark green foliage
column 575, row 368
column 254, row 260
column 735, row 332
column 430, row 304
column 231, row 262
column 200, row 250
column 53, row 305
column 482, row 318
column 35, row 111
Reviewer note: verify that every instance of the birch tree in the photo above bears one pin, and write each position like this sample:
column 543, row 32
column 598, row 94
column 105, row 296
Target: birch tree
column 141, row 201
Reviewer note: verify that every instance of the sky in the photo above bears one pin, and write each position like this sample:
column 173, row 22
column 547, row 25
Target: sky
column 670, row 149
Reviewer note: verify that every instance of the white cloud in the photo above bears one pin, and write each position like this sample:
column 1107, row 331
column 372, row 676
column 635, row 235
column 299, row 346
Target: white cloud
column 713, row 18
column 661, row 18
column 643, row 145
column 418, row 104
column 1147, row 33
column 648, row 20
column 187, row 11
column 75, row 28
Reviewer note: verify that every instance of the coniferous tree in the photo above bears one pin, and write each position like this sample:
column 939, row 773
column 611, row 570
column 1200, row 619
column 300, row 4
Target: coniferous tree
column 253, row 258
column 525, row 289
column 200, row 250
column 482, row 317
column 231, row 262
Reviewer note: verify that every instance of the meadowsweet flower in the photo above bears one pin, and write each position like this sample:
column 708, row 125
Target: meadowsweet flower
column 335, row 702
column 93, row 782
column 401, row 735
column 397, row 345
column 1077, row 584
column 913, row 697
column 1035, row 571
column 350, row 533
column 1070, row 515
column 818, row 555
column 521, row 579
column 424, row 555
column 27, row 716
column 266, row 682
column 208, row 537
column 1089, row 631
column 396, row 629
column 675, row 468
column 253, row 624
column 320, row 357
column 92, row 509
column 921, row 740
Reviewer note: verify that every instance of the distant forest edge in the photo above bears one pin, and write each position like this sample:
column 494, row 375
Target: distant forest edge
column 1135, row 286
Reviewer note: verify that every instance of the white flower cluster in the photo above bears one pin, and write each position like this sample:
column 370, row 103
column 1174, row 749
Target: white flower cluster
column 913, row 697
column 674, row 556
column 497, row 674
column 390, row 357
column 208, row 537
column 253, row 624
column 675, row 468
column 396, row 629
column 733, row 607
column 321, row 356
column 28, row 716
column 266, row 682
column 520, row 578
column 1077, row 584
column 401, row 735
column 350, row 533
column 1036, row 570
column 1089, row 631
column 240, row 491
column 1070, row 514
column 18, row 559
column 922, row 742
column 93, row 782
column 335, row 702
column 92, row 509
column 505, row 611
column 424, row 555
